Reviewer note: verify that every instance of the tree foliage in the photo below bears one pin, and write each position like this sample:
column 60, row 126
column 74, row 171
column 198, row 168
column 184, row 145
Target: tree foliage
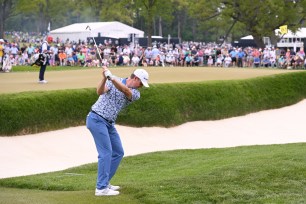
column 259, row 17
column 197, row 20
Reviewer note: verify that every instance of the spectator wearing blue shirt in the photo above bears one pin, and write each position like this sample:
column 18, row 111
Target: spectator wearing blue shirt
column 240, row 56
column 233, row 55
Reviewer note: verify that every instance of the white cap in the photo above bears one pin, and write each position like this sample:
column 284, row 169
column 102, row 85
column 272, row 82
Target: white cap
column 143, row 76
column 1, row 40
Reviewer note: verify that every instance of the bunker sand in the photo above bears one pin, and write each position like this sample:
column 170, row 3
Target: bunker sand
column 61, row 149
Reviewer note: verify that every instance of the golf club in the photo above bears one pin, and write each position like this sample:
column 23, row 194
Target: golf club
column 88, row 27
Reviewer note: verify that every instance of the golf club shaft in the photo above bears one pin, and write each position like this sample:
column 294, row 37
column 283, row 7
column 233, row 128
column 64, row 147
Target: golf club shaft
column 95, row 43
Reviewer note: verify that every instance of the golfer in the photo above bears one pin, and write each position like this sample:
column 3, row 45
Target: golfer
column 114, row 95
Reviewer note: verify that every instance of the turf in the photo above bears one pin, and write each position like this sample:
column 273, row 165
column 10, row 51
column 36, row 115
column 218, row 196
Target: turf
column 20, row 81
column 254, row 174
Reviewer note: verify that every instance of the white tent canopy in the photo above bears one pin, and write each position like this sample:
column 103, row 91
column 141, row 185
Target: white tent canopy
column 80, row 31
column 249, row 37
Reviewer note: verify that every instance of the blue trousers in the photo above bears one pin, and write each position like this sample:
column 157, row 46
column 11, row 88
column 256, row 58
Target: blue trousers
column 109, row 147
column 42, row 72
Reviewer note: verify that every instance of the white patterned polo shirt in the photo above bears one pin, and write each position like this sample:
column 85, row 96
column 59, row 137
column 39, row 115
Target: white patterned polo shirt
column 113, row 101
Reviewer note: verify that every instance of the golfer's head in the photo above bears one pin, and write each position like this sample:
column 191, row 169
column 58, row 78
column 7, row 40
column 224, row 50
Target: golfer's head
column 141, row 78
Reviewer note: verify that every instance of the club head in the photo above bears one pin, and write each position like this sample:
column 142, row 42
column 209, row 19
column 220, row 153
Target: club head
column 88, row 28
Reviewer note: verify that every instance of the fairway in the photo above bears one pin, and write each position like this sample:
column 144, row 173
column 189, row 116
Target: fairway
column 75, row 79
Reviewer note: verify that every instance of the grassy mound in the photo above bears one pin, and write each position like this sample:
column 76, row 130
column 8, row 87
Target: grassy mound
column 161, row 105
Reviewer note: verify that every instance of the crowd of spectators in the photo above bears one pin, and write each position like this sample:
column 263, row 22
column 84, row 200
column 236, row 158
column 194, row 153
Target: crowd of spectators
column 24, row 48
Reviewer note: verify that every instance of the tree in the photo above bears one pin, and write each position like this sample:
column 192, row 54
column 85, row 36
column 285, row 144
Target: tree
column 263, row 18
column 42, row 12
column 259, row 18
column 6, row 7
column 180, row 13
column 151, row 10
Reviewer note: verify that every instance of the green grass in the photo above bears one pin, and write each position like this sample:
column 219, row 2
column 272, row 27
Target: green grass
column 50, row 68
column 163, row 105
column 28, row 112
column 254, row 174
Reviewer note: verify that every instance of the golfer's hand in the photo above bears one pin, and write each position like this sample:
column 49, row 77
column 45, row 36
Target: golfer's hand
column 107, row 73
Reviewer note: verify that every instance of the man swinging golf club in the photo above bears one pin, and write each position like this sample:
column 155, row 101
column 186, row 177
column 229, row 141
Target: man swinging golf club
column 114, row 95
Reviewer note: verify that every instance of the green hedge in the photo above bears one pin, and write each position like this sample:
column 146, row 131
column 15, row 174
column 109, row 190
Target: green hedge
column 160, row 105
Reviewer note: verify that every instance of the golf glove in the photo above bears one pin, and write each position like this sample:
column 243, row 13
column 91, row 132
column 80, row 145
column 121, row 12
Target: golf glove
column 108, row 75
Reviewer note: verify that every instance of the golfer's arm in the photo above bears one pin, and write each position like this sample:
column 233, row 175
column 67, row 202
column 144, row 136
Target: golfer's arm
column 121, row 87
column 101, row 88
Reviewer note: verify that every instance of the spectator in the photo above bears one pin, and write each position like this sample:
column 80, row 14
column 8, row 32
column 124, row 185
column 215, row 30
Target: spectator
column 188, row 60
column 30, row 50
column 119, row 60
column 219, row 61
column 148, row 54
column 281, row 62
column 135, row 60
column 195, row 61
column 1, row 51
column 14, row 50
column 70, row 60
column 126, row 59
column 227, row 61
column 240, row 56
column 81, row 58
column 233, row 55
column 62, row 57
column 266, row 62
column 210, row 61
column 75, row 58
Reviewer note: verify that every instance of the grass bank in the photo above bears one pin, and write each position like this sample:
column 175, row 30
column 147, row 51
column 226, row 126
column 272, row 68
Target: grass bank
column 255, row 174
column 161, row 105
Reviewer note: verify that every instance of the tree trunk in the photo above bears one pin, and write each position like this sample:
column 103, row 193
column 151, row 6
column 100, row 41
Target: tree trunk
column 194, row 29
column 5, row 11
column 154, row 27
column 179, row 29
column 160, row 28
column 150, row 24
column 2, row 20
column 228, row 32
column 258, row 40
column 150, row 20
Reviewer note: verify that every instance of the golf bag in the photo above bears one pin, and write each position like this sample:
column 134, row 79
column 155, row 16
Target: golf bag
column 40, row 60
column 7, row 64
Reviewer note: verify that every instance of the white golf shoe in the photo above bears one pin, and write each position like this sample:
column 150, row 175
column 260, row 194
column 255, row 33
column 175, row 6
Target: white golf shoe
column 42, row 82
column 114, row 188
column 106, row 192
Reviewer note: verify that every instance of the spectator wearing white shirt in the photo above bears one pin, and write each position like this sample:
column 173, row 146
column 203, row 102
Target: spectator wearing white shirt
column 227, row 61
column 135, row 60
column 219, row 61
column 14, row 50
